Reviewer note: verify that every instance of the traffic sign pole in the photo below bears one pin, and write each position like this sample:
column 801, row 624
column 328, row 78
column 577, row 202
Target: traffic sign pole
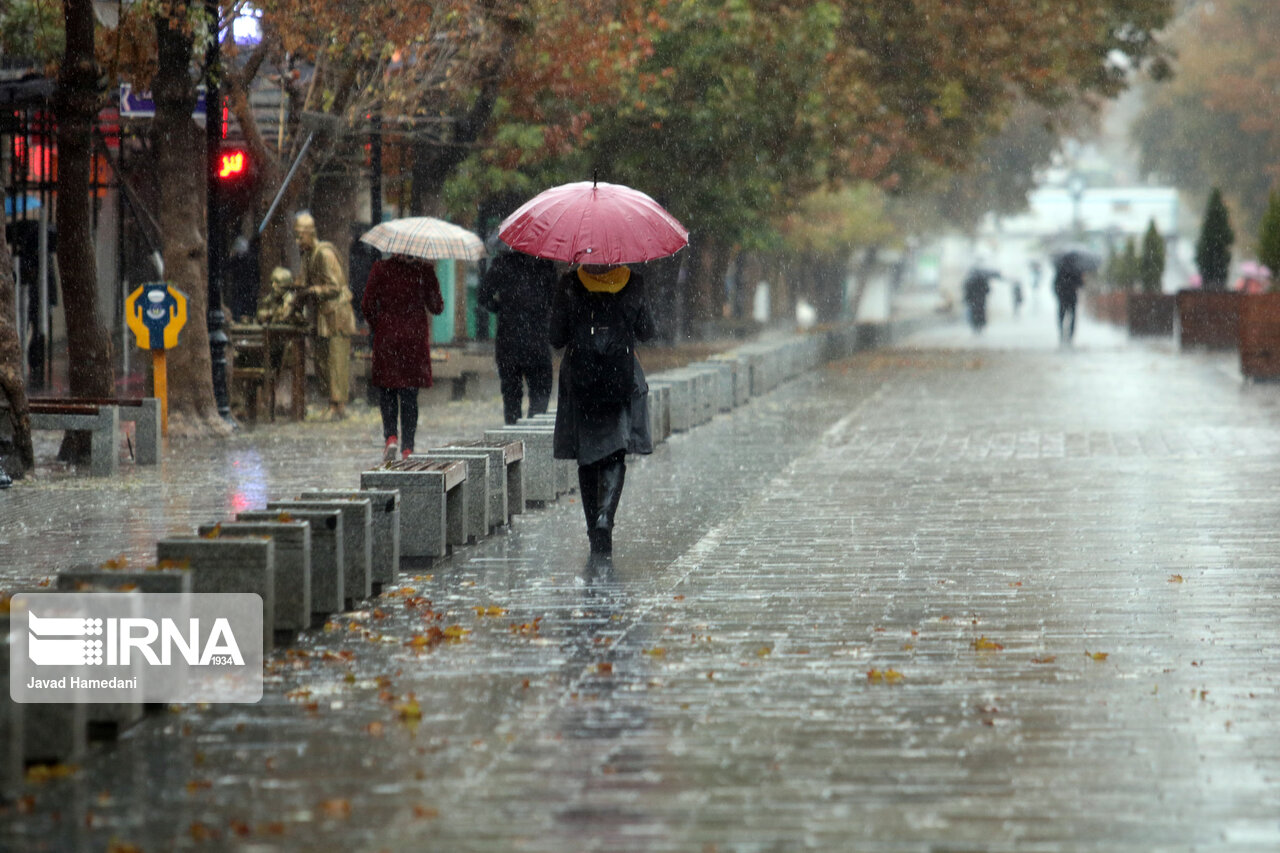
column 160, row 378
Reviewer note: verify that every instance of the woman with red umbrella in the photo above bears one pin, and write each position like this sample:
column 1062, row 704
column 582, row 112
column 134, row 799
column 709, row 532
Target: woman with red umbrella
column 599, row 312
column 602, row 406
column 398, row 295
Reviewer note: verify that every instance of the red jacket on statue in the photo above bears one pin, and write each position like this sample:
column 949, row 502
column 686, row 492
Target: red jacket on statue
column 397, row 296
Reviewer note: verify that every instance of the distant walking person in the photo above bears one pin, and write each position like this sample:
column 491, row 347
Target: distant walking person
column 1068, row 278
column 602, row 410
column 518, row 287
column 977, row 284
column 398, row 295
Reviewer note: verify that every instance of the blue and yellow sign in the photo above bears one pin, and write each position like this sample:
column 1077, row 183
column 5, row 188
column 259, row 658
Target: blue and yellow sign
column 156, row 312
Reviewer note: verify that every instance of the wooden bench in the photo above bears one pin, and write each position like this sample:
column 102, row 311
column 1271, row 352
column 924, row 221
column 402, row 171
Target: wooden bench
column 102, row 422
column 143, row 412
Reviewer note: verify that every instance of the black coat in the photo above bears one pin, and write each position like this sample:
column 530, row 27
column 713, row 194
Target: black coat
column 591, row 436
column 517, row 287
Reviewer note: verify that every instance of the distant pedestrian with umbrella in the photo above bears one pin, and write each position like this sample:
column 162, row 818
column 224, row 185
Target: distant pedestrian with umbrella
column 399, row 295
column 1068, row 279
column 599, row 312
column 977, row 285
column 518, row 287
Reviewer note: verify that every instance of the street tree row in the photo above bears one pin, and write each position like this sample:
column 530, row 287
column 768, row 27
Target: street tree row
column 786, row 129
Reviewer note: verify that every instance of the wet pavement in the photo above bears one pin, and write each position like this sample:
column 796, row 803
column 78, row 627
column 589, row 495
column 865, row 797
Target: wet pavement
column 969, row 593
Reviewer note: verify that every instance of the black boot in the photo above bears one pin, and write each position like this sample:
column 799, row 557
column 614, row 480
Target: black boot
column 588, row 490
column 612, row 475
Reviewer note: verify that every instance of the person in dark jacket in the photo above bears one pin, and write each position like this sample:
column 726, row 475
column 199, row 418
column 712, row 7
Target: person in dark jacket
column 1068, row 278
column 398, row 295
column 517, row 287
column 598, row 434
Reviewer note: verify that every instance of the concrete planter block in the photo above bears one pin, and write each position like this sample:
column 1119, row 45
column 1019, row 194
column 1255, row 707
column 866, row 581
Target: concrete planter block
column 229, row 565
column 539, row 463
column 37, row 733
column 146, row 432
column 85, row 578
column 431, row 493
column 478, row 503
column 328, row 559
column 680, row 399
column 54, row 733
column 506, row 476
column 566, row 469
column 12, row 756
column 357, row 541
column 292, row 565
column 741, row 375
column 723, row 385
column 384, row 506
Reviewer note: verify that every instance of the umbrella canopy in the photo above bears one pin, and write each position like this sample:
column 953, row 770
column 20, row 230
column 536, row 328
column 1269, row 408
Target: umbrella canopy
column 425, row 237
column 1080, row 258
column 593, row 223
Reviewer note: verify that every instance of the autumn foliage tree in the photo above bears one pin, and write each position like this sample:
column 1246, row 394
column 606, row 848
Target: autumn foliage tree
column 1217, row 123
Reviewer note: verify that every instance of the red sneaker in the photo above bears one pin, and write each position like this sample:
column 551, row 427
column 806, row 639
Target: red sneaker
column 404, row 454
column 390, row 452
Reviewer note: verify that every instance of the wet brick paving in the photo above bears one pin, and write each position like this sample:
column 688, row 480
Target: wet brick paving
column 975, row 594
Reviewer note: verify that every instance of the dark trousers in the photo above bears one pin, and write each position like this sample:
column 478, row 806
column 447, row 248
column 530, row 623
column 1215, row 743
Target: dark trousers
column 399, row 406
column 512, row 375
column 1066, row 319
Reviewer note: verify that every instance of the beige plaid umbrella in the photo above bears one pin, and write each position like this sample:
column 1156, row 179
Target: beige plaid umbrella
column 425, row 237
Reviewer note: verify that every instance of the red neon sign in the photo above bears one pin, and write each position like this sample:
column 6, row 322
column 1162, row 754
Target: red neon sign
column 232, row 163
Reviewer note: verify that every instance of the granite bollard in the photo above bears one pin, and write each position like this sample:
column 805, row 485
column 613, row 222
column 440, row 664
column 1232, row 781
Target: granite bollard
column 327, row 556
column 433, row 505
column 539, row 463
column 506, row 473
column 292, row 563
column 357, row 545
column 478, row 504
column 228, row 565
column 384, row 529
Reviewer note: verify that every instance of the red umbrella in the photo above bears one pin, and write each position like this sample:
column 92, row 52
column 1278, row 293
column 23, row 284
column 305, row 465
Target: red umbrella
column 593, row 223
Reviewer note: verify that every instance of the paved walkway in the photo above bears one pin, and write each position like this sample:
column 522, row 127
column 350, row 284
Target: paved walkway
column 972, row 593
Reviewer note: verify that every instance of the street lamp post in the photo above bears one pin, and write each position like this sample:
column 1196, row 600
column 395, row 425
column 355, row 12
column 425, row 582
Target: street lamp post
column 1076, row 186
column 215, row 318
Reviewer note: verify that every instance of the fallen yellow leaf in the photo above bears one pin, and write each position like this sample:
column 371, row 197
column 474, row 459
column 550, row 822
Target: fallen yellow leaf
column 40, row 773
column 656, row 652
column 1045, row 659
column 336, row 808
column 1175, row 578
column 884, row 676
column 1098, row 656
column 983, row 644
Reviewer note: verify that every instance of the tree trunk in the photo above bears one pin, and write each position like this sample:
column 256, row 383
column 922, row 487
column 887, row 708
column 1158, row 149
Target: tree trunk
column 704, row 298
column 333, row 197
column 865, row 268
column 180, row 161
column 76, row 102
column 18, row 458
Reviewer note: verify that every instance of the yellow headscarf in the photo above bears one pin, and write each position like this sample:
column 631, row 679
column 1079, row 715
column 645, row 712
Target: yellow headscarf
column 606, row 282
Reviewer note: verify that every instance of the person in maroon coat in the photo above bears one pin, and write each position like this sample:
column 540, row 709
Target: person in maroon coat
column 397, row 296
